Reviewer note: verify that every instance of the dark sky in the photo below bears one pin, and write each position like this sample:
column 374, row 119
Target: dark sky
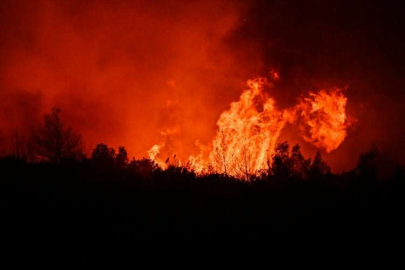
column 316, row 44
column 122, row 71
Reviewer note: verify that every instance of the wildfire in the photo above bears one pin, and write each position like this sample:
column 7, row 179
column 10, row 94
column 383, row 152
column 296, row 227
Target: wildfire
column 154, row 152
column 247, row 133
column 324, row 119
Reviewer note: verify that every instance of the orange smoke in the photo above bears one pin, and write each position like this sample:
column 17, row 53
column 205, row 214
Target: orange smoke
column 248, row 132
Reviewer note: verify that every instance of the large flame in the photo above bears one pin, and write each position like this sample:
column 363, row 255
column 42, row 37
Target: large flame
column 247, row 133
column 246, row 136
column 324, row 119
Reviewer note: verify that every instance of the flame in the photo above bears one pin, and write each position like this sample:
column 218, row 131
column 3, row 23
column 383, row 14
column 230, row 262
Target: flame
column 246, row 136
column 154, row 151
column 324, row 119
column 247, row 133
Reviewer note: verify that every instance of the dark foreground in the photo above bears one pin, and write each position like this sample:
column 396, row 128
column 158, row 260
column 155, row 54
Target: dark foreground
column 83, row 205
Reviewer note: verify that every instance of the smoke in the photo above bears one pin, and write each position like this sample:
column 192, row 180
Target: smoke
column 112, row 66
column 348, row 44
column 124, row 72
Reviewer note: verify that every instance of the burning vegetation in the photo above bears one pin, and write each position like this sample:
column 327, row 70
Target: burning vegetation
column 248, row 132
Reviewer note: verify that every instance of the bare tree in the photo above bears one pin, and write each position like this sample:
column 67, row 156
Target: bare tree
column 220, row 155
column 242, row 163
column 53, row 140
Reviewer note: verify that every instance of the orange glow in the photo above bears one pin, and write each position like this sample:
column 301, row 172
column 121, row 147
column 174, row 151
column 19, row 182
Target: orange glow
column 247, row 133
column 113, row 67
column 140, row 73
column 246, row 136
column 324, row 119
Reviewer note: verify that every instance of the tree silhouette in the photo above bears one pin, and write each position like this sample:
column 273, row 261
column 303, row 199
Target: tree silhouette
column 300, row 165
column 294, row 165
column 281, row 162
column 54, row 141
column 318, row 166
column 375, row 165
column 368, row 162
column 122, row 157
column 143, row 167
column 103, row 154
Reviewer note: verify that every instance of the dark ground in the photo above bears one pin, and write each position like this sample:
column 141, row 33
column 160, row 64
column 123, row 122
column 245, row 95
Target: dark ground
column 85, row 206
